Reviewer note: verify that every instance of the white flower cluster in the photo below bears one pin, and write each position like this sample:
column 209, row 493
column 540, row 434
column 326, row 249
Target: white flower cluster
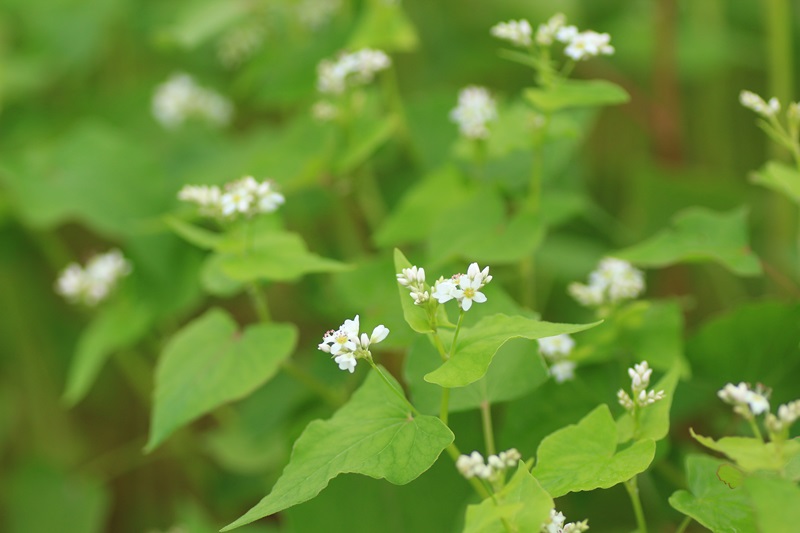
column 92, row 284
column 475, row 109
column 244, row 196
column 556, row 350
column 640, row 380
column 472, row 465
column 787, row 415
column 465, row 288
column 346, row 346
column 580, row 45
column 240, row 43
column 357, row 68
column 180, row 98
column 752, row 101
column 515, row 31
column 613, row 280
column 555, row 524
column 313, row 14
column 746, row 401
column 414, row 280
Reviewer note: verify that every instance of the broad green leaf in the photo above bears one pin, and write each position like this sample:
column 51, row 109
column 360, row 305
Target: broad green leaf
column 753, row 454
column 209, row 363
column 477, row 346
column 584, row 456
column 277, row 256
column 196, row 235
column 699, row 235
column 374, row 434
column 204, row 19
column 710, row 501
column 417, row 315
column 42, row 498
column 115, row 327
column 730, row 475
column 654, row 419
column 412, row 218
column 523, row 503
column 577, row 93
column 780, row 178
column 215, row 282
column 776, row 503
column 384, row 25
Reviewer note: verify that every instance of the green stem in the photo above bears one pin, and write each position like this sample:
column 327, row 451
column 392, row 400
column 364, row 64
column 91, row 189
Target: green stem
column 488, row 431
column 455, row 335
column 437, row 342
column 369, row 197
column 303, row 377
column 684, row 524
column 391, row 90
column 633, row 491
column 394, row 389
column 444, row 407
column 259, row 302
column 754, row 428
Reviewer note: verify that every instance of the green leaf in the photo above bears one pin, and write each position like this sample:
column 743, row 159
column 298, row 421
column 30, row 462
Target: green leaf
column 209, row 363
column 203, row 20
column 780, row 178
column 753, row 454
column 416, row 315
column 711, row 502
column 368, row 137
column 374, row 434
column 477, row 346
column 196, row 235
column 776, row 503
column 699, row 235
column 730, row 475
column 215, row 282
column 384, row 25
column 115, row 327
column 654, row 420
column 584, row 456
column 577, row 93
column 275, row 256
column 523, row 503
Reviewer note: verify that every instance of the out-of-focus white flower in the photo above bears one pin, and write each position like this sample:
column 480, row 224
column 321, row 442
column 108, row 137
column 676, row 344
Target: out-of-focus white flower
column 555, row 524
column 562, row 371
column 472, row 465
column 588, row 44
column 244, row 196
column 787, row 415
column 614, row 280
column 640, row 397
column 475, row 110
column 515, row 31
column 566, row 34
column 324, row 111
column 91, row 284
column 755, row 103
column 746, row 402
column 546, row 32
column 313, row 14
column 557, row 346
column 240, row 43
column 347, row 346
column 180, row 98
column 357, row 68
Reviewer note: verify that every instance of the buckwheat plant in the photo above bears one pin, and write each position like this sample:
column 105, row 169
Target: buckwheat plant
column 555, row 524
column 93, row 283
column 180, row 99
column 243, row 197
column 612, row 282
column 556, row 351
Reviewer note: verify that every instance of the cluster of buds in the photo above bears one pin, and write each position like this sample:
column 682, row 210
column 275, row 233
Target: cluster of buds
column 347, row 346
column 614, row 280
column 754, row 102
column 473, row 465
column 475, row 110
column 579, row 45
column 92, row 284
column 787, row 415
column 556, row 350
column 414, row 280
column 640, row 397
column 555, row 524
column 464, row 288
column 746, row 402
column 180, row 99
column 245, row 196
column 357, row 68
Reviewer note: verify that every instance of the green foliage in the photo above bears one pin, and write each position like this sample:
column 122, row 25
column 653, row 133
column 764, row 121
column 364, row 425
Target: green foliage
column 576, row 93
column 209, row 363
column 654, row 420
column 780, row 178
column 373, row 434
column 752, row 454
column 584, row 456
column 776, row 502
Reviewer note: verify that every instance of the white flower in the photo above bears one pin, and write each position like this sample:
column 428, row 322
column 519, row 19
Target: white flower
column 640, row 397
column 444, row 290
column 346, row 346
column 92, row 284
column 414, row 280
column 237, row 200
column 314, row 14
column 754, row 102
column 346, row 361
column 787, row 415
column 468, row 292
column 180, row 98
column 515, row 31
column 588, row 44
column 240, row 43
column 613, row 280
column 746, row 401
column 587, row 295
column 472, row 465
column 268, row 199
column 358, row 68
column 555, row 524
column 562, row 371
column 244, row 196
column 475, row 110
column 547, row 31
column 566, row 34
column 557, row 346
